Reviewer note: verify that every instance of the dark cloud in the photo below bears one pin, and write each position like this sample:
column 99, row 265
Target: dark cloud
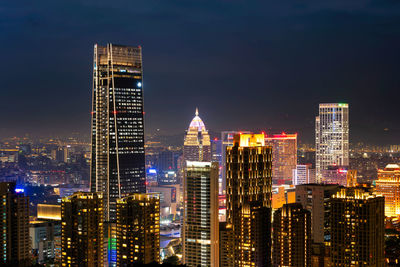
column 245, row 64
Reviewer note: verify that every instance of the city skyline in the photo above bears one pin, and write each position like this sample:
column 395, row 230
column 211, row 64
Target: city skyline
column 328, row 64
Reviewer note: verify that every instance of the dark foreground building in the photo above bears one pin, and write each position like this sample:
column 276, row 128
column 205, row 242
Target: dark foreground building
column 82, row 230
column 138, row 229
column 14, row 225
column 357, row 228
column 292, row 236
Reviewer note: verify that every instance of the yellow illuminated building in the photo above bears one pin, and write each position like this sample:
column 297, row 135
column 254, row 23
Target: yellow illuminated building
column 48, row 212
column 248, row 179
column 82, row 230
column 357, row 228
column 292, row 236
column 138, row 229
column 388, row 185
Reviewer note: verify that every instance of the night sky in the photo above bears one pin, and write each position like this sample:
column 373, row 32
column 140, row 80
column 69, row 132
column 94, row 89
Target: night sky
column 244, row 64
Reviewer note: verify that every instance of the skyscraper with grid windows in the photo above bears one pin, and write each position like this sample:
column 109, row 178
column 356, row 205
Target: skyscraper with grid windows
column 118, row 160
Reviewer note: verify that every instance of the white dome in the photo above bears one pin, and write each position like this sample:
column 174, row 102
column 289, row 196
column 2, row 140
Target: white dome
column 197, row 122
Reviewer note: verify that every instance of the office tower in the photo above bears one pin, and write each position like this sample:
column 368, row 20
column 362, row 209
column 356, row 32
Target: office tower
column 82, row 233
column 138, row 229
column 284, row 156
column 357, row 228
column 43, row 235
column 388, row 185
column 226, row 140
column 14, row 225
column 315, row 198
column 292, row 236
column 118, row 160
column 303, row 174
column 197, row 145
column 331, row 137
column 200, row 219
column 248, row 186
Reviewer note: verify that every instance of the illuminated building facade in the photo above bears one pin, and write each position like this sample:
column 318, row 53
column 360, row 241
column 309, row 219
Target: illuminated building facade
column 197, row 144
column 357, row 228
column 331, row 137
column 48, row 212
column 284, row 156
column 292, row 236
column 248, row 178
column 303, row 174
column 388, row 185
column 226, row 140
column 14, row 225
column 82, row 233
column 118, row 160
column 138, row 229
column 200, row 220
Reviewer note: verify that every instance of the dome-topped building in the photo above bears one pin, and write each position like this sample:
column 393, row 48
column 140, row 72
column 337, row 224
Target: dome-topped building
column 197, row 145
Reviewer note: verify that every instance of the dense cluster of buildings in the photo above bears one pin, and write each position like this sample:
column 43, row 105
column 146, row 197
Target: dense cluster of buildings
column 242, row 199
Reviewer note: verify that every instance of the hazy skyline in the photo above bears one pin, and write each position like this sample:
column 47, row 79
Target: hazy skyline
column 258, row 65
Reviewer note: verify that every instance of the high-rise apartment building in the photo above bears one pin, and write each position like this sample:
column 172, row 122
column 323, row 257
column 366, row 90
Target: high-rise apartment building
column 357, row 228
column 118, row 160
column 200, row 220
column 226, row 140
column 82, row 232
column 138, row 229
column 249, row 194
column 14, row 225
column 303, row 174
column 315, row 198
column 197, row 144
column 292, row 236
column 331, row 137
column 388, row 185
column 284, row 156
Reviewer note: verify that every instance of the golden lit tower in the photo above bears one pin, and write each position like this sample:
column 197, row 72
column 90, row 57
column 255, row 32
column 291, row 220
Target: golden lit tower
column 118, row 161
column 357, row 228
column 292, row 236
column 197, row 145
column 284, row 156
column 14, row 225
column 138, row 229
column 248, row 183
column 200, row 220
column 388, row 185
column 82, row 230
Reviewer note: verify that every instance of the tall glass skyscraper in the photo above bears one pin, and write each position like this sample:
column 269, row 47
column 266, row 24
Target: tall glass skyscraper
column 331, row 137
column 118, row 160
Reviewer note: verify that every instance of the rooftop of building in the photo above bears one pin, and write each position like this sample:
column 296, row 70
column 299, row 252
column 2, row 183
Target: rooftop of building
column 197, row 122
